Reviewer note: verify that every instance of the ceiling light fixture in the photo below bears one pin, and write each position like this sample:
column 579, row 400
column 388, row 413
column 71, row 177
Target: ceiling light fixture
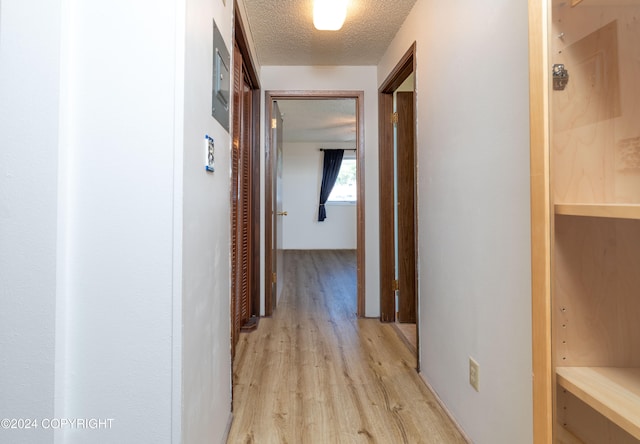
column 329, row 15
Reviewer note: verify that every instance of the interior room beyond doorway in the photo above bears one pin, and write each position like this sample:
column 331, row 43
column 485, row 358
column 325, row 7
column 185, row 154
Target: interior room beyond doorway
column 302, row 126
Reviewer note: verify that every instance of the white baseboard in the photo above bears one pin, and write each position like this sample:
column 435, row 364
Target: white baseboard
column 227, row 430
column 444, row 407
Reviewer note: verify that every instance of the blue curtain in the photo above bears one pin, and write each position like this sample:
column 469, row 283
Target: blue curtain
column 330, row 170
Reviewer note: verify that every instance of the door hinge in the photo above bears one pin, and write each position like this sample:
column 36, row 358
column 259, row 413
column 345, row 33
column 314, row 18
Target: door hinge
column 274, row 278
column 396, row 285
column 394, row 118
column 274, row 123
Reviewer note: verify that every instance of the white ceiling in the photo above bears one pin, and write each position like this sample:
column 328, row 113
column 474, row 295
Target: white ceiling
column 283, row 32
column 319, row 120
column 283, row 35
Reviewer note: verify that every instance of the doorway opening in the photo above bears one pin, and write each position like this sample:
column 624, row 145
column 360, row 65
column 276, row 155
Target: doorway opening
column 398, row 215
column 291, row 102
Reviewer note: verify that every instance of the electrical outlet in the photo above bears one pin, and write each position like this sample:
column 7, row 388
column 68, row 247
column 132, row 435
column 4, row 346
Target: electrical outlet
column 474, row 374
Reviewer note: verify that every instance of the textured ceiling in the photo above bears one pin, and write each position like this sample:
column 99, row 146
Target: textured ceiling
column 283, row 32
column 319, row 120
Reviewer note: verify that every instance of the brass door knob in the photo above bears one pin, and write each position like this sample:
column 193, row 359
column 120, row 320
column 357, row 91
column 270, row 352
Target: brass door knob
column 282, row 213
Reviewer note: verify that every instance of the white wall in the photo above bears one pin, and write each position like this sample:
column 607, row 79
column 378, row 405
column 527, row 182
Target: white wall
column 206, row 237
column 114, row 241
column 301, row 180
column 120, row 82
column 473, row 199
column 337, row 78
column 29, row 101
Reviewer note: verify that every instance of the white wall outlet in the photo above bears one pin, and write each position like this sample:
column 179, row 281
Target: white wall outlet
column 474, row 374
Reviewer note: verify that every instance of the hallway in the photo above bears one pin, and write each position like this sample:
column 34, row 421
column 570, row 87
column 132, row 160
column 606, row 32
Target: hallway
column 314, row 373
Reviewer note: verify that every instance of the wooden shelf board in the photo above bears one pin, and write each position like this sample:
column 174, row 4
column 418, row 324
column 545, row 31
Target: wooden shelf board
column 612, row 391
column 619, row 211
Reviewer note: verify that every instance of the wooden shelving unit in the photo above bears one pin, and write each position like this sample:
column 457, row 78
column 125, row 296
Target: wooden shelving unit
column 617, row 211
column 612, row 392
column 594, row 151
column 586, row 221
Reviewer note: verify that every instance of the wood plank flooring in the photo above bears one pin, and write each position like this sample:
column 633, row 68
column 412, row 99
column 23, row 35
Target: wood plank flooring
column 408, row 334
column 314, row 373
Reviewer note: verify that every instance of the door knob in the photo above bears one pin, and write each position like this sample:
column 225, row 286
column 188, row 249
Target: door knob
column 282, row 213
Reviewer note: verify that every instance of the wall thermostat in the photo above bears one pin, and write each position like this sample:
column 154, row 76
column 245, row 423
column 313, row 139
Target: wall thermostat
column 209, row 154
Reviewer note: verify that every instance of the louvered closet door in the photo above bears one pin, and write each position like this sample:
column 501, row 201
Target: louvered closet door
column 241, row 201
column 245, row 208
column 235, row 182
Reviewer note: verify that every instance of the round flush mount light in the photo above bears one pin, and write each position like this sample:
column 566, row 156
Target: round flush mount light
column 329, row 15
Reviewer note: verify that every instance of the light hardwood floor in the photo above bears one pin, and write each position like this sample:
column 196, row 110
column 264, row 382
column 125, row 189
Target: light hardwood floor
column 314, row 373
column 408, row 334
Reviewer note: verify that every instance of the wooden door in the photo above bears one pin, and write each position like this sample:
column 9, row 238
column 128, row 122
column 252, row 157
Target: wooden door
column 277, row 256
column 386, row 206
column 280, row 213
column 405, row 172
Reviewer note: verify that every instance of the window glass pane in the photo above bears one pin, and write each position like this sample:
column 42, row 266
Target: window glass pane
column 345, row 187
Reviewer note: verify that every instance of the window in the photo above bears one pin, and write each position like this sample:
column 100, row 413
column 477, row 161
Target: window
column 345, row 189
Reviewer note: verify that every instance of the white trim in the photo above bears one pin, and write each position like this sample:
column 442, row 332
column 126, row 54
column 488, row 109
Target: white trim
column 227, row 430
column 444, row 407
column 178, row 224
column 341, row 202
column 62, row 233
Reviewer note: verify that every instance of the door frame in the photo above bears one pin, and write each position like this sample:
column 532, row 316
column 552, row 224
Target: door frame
column 270, row 159
column 240, row 39
column 398, row 75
